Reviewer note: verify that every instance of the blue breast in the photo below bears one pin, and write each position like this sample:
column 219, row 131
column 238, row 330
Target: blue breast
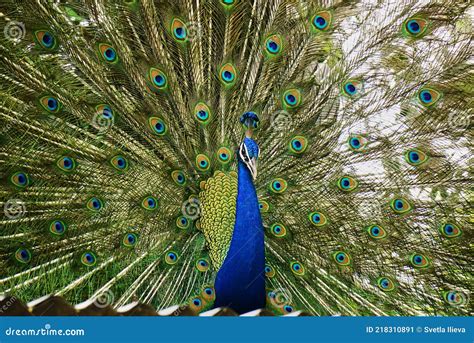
column 240, row 283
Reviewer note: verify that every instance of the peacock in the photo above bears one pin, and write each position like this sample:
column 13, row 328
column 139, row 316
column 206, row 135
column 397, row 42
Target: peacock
column 287, row 155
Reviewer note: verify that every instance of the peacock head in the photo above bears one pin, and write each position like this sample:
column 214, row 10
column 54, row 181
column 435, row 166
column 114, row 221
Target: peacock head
column 249, row 151
column 250, row 122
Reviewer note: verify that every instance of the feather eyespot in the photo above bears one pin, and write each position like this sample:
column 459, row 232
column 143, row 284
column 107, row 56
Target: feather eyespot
column 179, row 30
column 269, row 271
column 94, row 204
column 157, row 79
column 208, row 293
column 347, row 184
column 357, row 143
column 119, row 162
column 202, row 162
column 224, row 155
column 50, row 104
column 376, row 232
column 419, row 261
column 400, row 205
column 352, row 88
column 450, row 230
column 66, row 164
column 321, row 21
column 158, row 126
column 291, row 98
column 20, row 179
column 318, row 219
column 385, row 284
column 196, row 304
column 263, row 206
column 89, row 259
column 278, row 230
column 342, row 258
column 202, row 113
column 228, row 75
column 297, row 268
column 150, row 203
column 182, row 222
column 23, row 255
column 45, row 39
column 129, row 240
column 178, row 177
column 228, row 4
column 57, row 227
column 415, row 157
column 104, row 116
column 415, row 27
column 429, row 96
column 202, row 264
column 455, row 298
column 273, row 45
column 171, row 257
column 278, row 186
column 108, row 53
column 298, row 145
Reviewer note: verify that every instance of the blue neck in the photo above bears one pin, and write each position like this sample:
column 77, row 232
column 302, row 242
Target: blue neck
column 240, row 283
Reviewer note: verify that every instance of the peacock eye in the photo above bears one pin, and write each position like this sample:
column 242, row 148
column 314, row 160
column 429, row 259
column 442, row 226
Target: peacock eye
column 108, row 53
column 263, row 206
column 157, row 78
column 273, row 45
column 182, row 222
column 88, row 259
column 455, row 298
column 208, row 293
column 105, row 111
column 297, row 268
column 321, row 21
column 400, row 206
column 429, row 96
column 317, row 219
column 227, row 75
column 57, row 227
column 129, row 240
column 386, row 284
column 224, row 155
column 415, row 27
column 347, row 184
column 292, row 98
column 20, row 179
column 342, row 258
column 94, row 204
column 50, row 104
column 278, row 230
column 202, row 162
column 202, row 264
column 202, row 113
column 158, row 126
column 171, row 257
column 351, row 88
column 357, row 143
column 269, row 271
column 298, row 145
column 178, row 177
column 419, row 261
column 278, row 186
column 119, row 163
column 45, row 39
column 376, row 232
column 415, row 157
column 23, row 255
column 450, row 230
column 179, row 30
column 150, row 203
column 66, row 163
